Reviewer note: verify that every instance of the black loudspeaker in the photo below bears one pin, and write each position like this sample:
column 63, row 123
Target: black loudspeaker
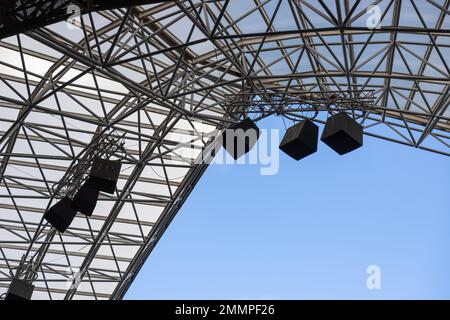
column 240, row 138
column 85, row 199
column 104, row 175
column 61, row 215
column 19, row 290
column 300, row 140
column 342, row 133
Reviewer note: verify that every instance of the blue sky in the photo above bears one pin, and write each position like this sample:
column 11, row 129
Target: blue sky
column 311, row 231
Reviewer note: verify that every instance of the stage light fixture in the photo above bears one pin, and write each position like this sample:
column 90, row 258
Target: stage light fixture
column 240, row 138
column 342, row 133
column 61, row 215
column 19, row 290
column 300, row 140
column 86, row 199
column 104, row 174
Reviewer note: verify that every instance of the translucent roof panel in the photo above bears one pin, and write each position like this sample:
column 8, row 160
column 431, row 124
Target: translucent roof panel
column 162, row 74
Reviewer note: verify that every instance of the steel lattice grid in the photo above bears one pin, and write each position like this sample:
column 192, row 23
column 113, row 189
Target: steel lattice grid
column 161, row 73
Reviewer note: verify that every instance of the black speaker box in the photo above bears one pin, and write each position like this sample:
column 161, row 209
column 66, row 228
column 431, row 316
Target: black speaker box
column 86, row 199
column 19, row 290
column 240, row 138
column 342, row 133
column 61, row 215
column 104, row 174
column 300, row 140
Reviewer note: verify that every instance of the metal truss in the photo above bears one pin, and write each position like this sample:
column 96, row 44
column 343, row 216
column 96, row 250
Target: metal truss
column 163, row 74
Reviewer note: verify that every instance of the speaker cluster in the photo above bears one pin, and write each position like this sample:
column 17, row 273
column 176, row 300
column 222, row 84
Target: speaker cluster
column 19, row 290
column 103, row 177
column 341, row 133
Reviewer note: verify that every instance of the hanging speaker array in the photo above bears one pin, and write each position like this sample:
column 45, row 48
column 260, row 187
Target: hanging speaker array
column 61, row 214
column 86, row 198
column 240, row 138
column 19, row 290
column 341, row 133
column 300, row 140
column 103, row 176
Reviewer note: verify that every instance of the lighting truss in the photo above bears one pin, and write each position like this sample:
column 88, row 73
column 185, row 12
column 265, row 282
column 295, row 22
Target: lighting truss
column 163, row 73
column 299, row 105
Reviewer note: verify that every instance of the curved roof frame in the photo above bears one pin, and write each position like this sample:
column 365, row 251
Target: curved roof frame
column 161, row 73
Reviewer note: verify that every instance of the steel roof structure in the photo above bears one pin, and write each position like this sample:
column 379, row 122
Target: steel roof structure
column 162, row 73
